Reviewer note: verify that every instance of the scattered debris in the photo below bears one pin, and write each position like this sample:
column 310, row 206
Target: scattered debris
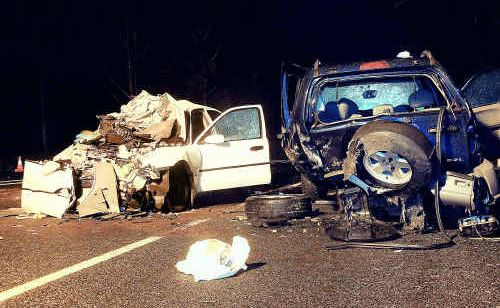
column 241, row 217
column 13, row 211
column 138, row 214
column 47, row 190
column 195, row 222
column 31, row 216
column 110, row 216
column 103, row 196
column 213, row 259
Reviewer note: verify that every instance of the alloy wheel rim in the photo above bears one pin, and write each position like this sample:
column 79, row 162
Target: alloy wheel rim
column 388, row 167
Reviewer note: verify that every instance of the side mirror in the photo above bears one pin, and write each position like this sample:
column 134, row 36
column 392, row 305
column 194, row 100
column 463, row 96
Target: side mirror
column 215, row 139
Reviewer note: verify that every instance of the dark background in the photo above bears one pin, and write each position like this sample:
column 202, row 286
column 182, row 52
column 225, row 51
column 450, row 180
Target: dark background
column 70, row 60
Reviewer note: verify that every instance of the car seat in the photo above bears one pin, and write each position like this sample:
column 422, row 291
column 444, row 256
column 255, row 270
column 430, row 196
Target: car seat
column 336, row 111
column 421, row 98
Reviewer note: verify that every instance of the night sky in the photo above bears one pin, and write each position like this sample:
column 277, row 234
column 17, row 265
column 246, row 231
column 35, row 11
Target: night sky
column 72, row 57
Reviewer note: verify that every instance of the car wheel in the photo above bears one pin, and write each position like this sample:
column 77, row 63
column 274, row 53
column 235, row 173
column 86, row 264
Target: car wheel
column 180, row 195
column 392, row 155
column 276, row 209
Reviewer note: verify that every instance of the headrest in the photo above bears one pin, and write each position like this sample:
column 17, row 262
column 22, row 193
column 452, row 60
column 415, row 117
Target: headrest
column 384, row 108
column 346, row 108
column 336, row 111
column 421, row 98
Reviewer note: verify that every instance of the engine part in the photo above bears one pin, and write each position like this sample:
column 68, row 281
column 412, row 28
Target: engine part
column 478, row 225
column 359, row 230
column 354, row 197
column 464, row 190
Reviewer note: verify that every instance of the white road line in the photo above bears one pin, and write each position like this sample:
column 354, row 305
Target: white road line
column 73, row 269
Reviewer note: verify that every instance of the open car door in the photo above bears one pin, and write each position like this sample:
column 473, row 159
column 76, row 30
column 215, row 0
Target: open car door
column 234, row 150
column 482, row 92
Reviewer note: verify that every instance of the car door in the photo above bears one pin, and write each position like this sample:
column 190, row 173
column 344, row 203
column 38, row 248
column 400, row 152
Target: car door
column 482, row 92
column 234, row 150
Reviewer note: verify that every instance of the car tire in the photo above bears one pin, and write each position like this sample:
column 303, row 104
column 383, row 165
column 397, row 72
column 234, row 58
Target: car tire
column 180, row 195
column 263, row 210
column 312, row 190
column 400, row 142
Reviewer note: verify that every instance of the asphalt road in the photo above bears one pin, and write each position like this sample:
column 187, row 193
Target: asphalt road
column 288, row 266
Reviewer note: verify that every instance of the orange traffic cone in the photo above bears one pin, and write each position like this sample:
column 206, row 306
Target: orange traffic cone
column 19, row 168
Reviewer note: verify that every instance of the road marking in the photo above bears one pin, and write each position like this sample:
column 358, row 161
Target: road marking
column 73, row 269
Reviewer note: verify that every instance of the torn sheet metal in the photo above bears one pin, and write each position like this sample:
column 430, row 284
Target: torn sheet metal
column 47, row 188
column 103, row 196
column 87, row 136
column 158, row 116
column 76, row 154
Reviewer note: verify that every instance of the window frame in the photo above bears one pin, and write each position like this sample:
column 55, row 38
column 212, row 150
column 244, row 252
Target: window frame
column 207, row 133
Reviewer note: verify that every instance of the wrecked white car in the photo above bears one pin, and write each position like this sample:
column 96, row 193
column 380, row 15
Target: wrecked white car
column 157, row 152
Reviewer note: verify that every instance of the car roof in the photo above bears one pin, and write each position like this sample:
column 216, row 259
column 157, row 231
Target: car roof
column 398, row 64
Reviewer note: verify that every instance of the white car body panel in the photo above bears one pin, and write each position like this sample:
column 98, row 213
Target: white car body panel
column 237, row 163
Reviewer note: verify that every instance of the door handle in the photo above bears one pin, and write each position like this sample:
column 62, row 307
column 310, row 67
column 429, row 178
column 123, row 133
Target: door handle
column 257, row 148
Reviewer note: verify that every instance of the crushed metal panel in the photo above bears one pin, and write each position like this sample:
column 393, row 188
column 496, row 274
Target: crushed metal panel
column 486, row 170
column 76, row 153
column 46, row 189
column 160, row 116
column 103, row 196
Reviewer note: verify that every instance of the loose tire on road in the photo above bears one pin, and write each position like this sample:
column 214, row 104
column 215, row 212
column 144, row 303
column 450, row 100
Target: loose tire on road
column 402, row 140
column 276, row 209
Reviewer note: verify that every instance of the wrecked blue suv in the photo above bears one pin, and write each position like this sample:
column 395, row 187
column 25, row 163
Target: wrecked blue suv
column 390, row 134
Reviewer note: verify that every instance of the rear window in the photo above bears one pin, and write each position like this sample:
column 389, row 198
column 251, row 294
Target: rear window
column 345, row 99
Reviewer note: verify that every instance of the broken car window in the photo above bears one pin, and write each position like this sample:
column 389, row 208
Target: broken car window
column 483, row 89
column 341, row 100
column 241, row 124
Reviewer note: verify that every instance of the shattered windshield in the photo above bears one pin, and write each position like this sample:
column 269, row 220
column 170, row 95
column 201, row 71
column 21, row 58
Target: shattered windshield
column 358, row 98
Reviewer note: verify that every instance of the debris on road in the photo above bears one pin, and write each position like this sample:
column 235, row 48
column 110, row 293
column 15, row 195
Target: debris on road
column 103, row 196
column 13, row 211
column 47, row 188
column 193, row 223
column 30, row 216
column 241, row 217
column 214, row 259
